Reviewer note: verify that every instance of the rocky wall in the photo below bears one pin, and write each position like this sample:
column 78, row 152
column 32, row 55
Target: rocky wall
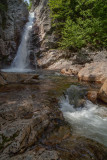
column 12, row 20
column 47, row 38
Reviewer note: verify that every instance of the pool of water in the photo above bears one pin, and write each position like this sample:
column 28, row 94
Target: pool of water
column 18, row 70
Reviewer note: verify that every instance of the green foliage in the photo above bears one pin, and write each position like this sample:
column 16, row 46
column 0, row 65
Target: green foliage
column 80, row 22
column 3, row 5
column 29, row 6
column 3, row 9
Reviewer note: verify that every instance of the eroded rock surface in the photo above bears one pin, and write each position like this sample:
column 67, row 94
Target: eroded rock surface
column 103, row 92
column 8, row 77
column 2, row 81
column 94, row 72
column 92, row 96
column 32, row 126
column 12, row 21
column 21, row 123
column 43, row 21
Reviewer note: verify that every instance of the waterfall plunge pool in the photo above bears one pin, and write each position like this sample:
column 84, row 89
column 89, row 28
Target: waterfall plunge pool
column 18, row 70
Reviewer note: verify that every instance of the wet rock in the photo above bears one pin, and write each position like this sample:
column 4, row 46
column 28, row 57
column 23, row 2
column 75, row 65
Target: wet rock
column 76, row 95
column 2, row 81
column 82, row 149
column 92, row 96
column 19, row 77
column 23, row 133
column 20, row 124
column 25, row 109
column 94, row 72
column 42, row 154
column 103, row 92
column 73, row 147
column 47, row 155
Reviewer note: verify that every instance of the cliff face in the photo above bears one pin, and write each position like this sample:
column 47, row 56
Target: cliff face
column 12, row 20
column 43, row 21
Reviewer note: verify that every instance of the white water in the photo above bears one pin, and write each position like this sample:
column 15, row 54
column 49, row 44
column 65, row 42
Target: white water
column 90, row 121
column 21, row 61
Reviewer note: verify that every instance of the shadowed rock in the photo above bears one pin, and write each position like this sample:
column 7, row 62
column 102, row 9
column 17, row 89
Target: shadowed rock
column 8, row 77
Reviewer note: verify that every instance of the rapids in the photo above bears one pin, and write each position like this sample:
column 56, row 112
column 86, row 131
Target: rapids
column 89, row 121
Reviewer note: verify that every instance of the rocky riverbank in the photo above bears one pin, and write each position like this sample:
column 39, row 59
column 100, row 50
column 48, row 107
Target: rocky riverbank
column 32, row 126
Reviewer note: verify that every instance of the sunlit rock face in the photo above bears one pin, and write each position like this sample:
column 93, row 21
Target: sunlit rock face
column 43, row 20
column 103, row 92
column 12, row 21
column 94, row 72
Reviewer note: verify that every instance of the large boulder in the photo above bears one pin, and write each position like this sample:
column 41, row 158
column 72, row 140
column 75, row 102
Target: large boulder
column 76, row 96
column 103, row 92
column 92, row 96
column 8, row 77
column 94, row 72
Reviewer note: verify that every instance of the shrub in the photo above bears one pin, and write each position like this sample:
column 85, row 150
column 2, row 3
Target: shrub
column 80, row 22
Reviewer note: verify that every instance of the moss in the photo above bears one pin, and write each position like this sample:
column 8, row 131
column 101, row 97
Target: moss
column 3, row 23
column 6, row 139
column 3, row 10
column 3, row 6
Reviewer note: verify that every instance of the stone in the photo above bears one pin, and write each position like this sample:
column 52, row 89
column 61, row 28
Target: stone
column 49, row 58
column 103, row 92
column 2, row 81
column 66, row 71
column 42, row 154
column 43, row 20
column 72, row 70
column 94, row 72
column 19, row 77
column 92, row 96
column 76, row 96
column 25, row 109
column 20, row 134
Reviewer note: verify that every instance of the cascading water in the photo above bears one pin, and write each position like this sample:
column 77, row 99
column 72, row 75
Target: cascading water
column 89, row 120
column 21, row 61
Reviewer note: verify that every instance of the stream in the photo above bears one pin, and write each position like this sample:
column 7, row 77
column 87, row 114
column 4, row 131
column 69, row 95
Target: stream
column 70, row 134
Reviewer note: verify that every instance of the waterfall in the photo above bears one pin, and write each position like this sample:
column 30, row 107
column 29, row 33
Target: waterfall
column 21, row 62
